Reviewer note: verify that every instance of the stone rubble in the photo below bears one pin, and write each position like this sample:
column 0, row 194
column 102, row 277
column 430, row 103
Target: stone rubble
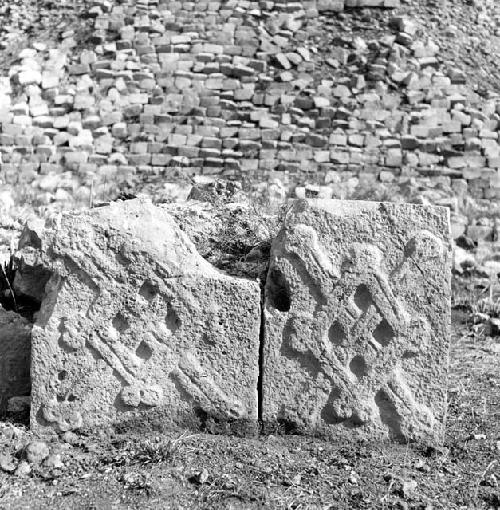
column 242, row 90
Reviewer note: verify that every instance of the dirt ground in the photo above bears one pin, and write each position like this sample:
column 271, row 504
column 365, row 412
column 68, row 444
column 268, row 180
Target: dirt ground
column 180, row 469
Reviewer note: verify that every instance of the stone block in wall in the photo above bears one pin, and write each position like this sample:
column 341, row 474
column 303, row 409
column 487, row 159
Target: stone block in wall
column 337, row 138
column 340, row 157
column 357, row 320
column 330, row 5
column 133, row 320
column 425, row 159
column 139, row 159
column 494, row 162
column 469, row 159
column 491, row 149
column 15, row 347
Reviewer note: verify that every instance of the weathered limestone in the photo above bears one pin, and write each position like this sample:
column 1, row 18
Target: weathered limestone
column 15, row 345
column 135, row 320
column 357, row 320
column 135, row 323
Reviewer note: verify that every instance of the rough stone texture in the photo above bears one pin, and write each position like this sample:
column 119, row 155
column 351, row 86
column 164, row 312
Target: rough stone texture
column 248, row 91
column 134, row 319
column 357, row 320
column 15, row 344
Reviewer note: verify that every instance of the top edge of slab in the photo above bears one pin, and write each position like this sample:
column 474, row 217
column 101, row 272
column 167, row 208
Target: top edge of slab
column 345, row 207
column 144, row 228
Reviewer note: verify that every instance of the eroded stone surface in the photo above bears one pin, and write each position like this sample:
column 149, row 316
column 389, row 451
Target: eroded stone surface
column 134, row 319
column 357, row 320
column 15, row 344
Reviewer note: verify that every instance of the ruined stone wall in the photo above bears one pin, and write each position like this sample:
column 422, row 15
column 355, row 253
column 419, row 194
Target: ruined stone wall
column 243, row 90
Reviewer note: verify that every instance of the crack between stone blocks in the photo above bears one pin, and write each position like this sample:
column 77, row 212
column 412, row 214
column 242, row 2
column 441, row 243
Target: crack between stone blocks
column 260, row 383
column 261, row 359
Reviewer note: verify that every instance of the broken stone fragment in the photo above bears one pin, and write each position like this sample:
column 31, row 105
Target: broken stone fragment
column 357, row 320
column 133, row 320
column 36, row 451
column 404, row 25
column 7, row 462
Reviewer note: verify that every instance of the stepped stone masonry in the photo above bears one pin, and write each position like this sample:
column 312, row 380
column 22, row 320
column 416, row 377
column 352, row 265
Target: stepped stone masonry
column 357, row 320
column 134, row 320
column 246, row 91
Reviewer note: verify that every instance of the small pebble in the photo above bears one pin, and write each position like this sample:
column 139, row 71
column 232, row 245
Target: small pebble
column 36, row 451
column 24, row 469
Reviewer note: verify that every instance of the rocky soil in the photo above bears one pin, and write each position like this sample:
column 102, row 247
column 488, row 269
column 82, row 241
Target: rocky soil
column 124, row 468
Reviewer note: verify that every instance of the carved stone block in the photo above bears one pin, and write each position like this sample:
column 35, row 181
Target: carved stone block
column 134, row 321
column 357, row 320
column 15, row 345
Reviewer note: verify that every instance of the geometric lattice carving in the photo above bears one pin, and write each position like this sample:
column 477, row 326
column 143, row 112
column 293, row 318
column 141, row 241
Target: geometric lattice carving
column 354, row 319
column 135, row 321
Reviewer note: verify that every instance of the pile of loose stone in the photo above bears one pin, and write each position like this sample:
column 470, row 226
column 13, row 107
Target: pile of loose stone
column 468, row 33
column 242, row 90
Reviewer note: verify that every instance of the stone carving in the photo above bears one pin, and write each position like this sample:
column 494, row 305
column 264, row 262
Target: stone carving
column 15, row 342
column 133, row 319
column 357, row 320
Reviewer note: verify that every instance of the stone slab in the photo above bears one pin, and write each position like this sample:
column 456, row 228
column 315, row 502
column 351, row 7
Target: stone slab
column 15, row 346
column 135, row 322
column 357, row 320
